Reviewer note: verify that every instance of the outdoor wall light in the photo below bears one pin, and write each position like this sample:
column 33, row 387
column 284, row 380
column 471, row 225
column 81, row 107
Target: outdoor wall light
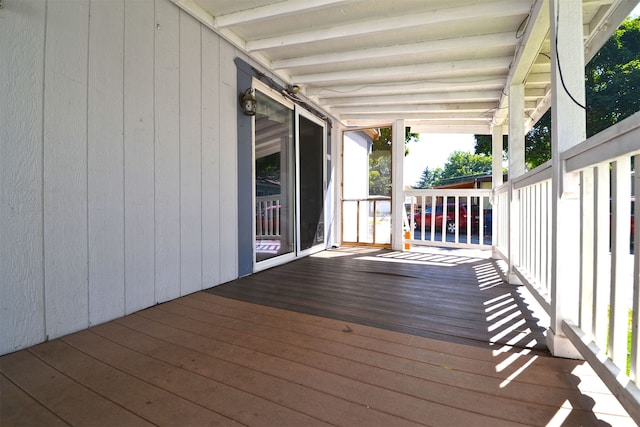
column 293, row 89
column 248, row 102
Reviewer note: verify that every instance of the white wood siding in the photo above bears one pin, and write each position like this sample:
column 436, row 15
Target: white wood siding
column 228, row 97
column 66, row 271
column 190, row 155
column 167, row 173
column 210, row 121
column 105, row 161
column 21, row 166
column 118, row 182
column 139, row 166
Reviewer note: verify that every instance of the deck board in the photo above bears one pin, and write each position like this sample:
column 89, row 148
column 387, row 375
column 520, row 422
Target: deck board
column 207, row 359
column 435, row 296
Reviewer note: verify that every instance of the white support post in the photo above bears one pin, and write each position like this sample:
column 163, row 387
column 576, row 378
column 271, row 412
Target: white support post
column 516, row 168
column 569, row 124
column 397, row 186
column 497, row 179
column 496, row 152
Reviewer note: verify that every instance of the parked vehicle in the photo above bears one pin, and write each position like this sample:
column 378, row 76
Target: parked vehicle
column 449, row 219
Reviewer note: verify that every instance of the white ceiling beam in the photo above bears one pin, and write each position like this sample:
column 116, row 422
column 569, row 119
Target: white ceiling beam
column 447, row 128
column 432, row 86
column 531, row 94
column 492, row 10
column 527, row 53
column 409, row 116
column 425, row 71
column 422, row 98
column 451, row 122
column 431, row 122
column 596, row 2
column 420, row 126
column 428, row 47
column 539, row 78
column 457, row 117
column 531, row 43
column 411, row 108
column 275, row 10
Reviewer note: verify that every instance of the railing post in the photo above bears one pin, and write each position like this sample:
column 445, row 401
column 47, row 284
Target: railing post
column 397, row 186
column 568, row 121
column 516, row 168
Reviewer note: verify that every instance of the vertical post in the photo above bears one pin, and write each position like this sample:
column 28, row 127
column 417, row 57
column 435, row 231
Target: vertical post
column 516, row 168
column 496, row 153
column 569, row 124
column 397, row 186
column 497, row 178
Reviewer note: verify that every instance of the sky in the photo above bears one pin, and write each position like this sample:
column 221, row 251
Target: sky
column 432, row 151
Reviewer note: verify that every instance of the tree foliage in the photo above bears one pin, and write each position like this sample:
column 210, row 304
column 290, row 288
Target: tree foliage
column 429, row 178
column 380, row 160
column 612, row 81
column 459, row 165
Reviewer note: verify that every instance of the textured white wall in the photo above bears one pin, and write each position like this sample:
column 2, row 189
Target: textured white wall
column 118, row 181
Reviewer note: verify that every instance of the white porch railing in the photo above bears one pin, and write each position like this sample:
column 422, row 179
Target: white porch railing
column 268, row 216
column 450, row 217
column 605, row 329
column 367, row 221
column 531, row 262
column 501, row 198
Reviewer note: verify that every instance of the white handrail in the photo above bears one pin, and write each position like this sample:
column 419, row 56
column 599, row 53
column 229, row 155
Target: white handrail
column 534, row 176
column 621, row 139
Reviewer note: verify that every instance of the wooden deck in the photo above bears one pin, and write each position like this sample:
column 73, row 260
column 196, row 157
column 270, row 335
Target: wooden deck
column 346, row 337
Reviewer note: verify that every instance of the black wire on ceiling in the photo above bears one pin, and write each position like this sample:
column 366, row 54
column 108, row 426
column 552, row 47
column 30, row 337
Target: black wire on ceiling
column 523, row 26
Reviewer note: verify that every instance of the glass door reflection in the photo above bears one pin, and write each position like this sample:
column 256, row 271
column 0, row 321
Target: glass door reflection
column 274, row 179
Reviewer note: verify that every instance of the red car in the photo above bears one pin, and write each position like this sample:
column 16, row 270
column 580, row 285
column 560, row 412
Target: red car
column 450, row 218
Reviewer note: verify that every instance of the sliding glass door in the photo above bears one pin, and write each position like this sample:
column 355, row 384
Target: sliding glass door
column 290, row 182
column 311, row 149
column 274, row 178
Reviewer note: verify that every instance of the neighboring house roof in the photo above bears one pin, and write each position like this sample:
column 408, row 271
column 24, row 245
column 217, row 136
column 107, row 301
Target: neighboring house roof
column 470, row 181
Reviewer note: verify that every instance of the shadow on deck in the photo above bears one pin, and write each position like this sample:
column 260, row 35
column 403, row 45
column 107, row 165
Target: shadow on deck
column 438, row 294
column 348, row 337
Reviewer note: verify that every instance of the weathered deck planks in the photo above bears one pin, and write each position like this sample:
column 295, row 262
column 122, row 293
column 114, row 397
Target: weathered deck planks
column 209, row 360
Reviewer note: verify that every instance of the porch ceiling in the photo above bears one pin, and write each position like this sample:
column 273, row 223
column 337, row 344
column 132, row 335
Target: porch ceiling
column 441, row 66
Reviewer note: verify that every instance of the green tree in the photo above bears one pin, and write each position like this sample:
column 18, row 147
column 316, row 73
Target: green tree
column 613, row 78
column 429, row 178
column 380, row 160
column 383, row 142
column 459, row 165
column 537, row 143
column 612, row 82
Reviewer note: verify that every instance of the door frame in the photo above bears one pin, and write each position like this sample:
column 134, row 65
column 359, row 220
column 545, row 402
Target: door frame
column 368, row 199
column 297, row 111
